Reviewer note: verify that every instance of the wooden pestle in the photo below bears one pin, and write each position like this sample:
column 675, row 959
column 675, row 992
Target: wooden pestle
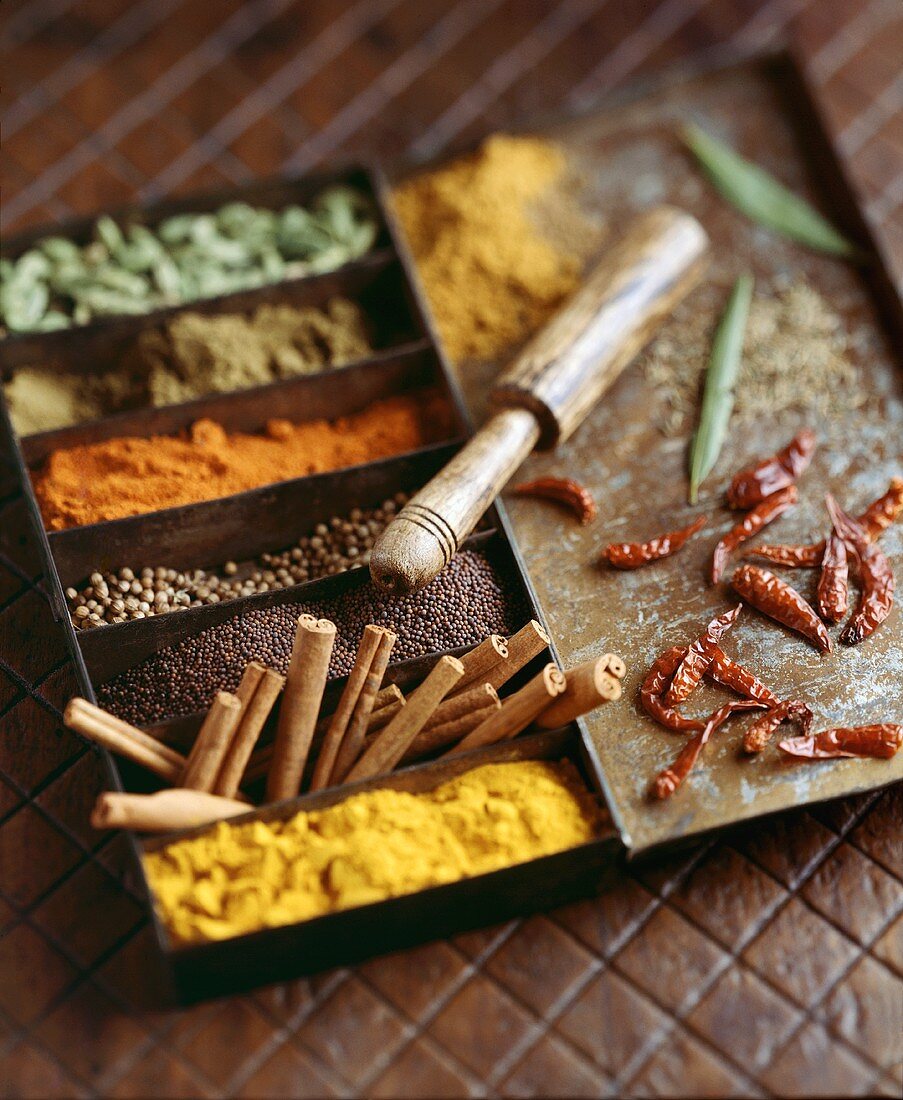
column 548, row 390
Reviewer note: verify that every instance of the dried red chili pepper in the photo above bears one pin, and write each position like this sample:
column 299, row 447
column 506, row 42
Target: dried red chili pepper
column 876, row 519
column 631, row 555
column 750, row 525
column 761, row 731
column 881, row 513
column 657, row 679
column 667, row 782
column 752, row 486
column 876, row 577
column 832, row 597
column 776, row 599
column 730, row 674
column 880, row 741
column 699, row 656
column 793, row 557
column 564, row 491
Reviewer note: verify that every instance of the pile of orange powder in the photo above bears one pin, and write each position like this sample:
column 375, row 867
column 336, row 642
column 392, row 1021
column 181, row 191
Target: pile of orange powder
column 130, row 476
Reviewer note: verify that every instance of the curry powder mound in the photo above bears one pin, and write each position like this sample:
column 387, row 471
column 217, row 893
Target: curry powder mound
column 238, row 878
column 490, row 276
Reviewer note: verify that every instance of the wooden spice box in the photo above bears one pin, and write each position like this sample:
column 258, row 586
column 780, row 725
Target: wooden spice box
column 269, row 518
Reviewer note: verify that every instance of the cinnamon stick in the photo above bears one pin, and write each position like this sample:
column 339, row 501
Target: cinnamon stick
column 125, row 740
column 390, row 744
column 386, row 695
column 527, row 643
column 588, row 686
column 480, row 660
column 434, row 738
column 175, row 808
column 463, row 702
column 353, row 741
column 614, row 665
column 517, row 711
column 381, row 718
column 212, row 743
column 338, row 724
column 251, row 677
column 259, row 764
column 306, row 680
column 253, row 718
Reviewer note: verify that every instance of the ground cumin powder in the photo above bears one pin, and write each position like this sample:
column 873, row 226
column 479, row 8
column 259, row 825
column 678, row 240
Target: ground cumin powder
column 375, row 845
column 490, row 275
column 129, row 476
column 190, row 356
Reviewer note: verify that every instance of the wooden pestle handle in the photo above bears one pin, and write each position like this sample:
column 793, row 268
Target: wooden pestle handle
column 548, row 390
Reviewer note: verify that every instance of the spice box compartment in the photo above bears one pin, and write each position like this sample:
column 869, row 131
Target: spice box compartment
column 376, row 284
column 273, row 194
column 353, row 935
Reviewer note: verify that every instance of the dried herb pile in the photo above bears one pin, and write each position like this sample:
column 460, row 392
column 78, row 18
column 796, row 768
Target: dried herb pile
column 796, row 356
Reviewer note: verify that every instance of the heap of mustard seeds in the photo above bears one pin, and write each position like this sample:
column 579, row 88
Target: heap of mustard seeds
column 492, row 276
column 796, row 355
column 238, row 878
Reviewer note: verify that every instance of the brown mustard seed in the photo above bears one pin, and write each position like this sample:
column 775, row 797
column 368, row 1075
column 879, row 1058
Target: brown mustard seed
column 467, row 601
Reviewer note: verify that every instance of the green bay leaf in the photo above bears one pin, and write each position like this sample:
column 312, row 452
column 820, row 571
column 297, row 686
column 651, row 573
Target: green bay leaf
column 758, row 195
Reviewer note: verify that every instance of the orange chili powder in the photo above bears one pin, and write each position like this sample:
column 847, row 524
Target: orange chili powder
column 128, row 476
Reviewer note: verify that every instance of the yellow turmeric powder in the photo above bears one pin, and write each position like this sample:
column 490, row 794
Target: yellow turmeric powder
column 238, row 878
column 490, row 276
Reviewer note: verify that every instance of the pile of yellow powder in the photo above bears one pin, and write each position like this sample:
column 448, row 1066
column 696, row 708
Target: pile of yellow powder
column 238, row 878
column 490, row 275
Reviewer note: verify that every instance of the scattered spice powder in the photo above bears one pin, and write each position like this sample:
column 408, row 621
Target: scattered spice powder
column 237, row 878
column 795, row 356
column 193, row 355
column 492, row 277
column 130, row 476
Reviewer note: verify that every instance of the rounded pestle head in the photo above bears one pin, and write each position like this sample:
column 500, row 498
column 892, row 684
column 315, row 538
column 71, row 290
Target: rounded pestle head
column 409, row 553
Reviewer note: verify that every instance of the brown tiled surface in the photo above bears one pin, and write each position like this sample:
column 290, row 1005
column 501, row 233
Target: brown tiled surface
column 767, row 962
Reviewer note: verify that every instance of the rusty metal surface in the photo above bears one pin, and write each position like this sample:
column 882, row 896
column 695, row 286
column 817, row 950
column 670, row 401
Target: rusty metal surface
column 630, row 157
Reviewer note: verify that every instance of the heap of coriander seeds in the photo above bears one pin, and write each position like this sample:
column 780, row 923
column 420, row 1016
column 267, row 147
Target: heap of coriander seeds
column 343, row 542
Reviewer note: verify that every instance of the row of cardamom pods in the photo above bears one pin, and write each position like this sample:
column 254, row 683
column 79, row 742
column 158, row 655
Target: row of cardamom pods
column 135, row 269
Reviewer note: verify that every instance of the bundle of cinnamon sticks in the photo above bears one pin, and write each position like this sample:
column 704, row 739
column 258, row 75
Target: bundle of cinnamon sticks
column 373, row 729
